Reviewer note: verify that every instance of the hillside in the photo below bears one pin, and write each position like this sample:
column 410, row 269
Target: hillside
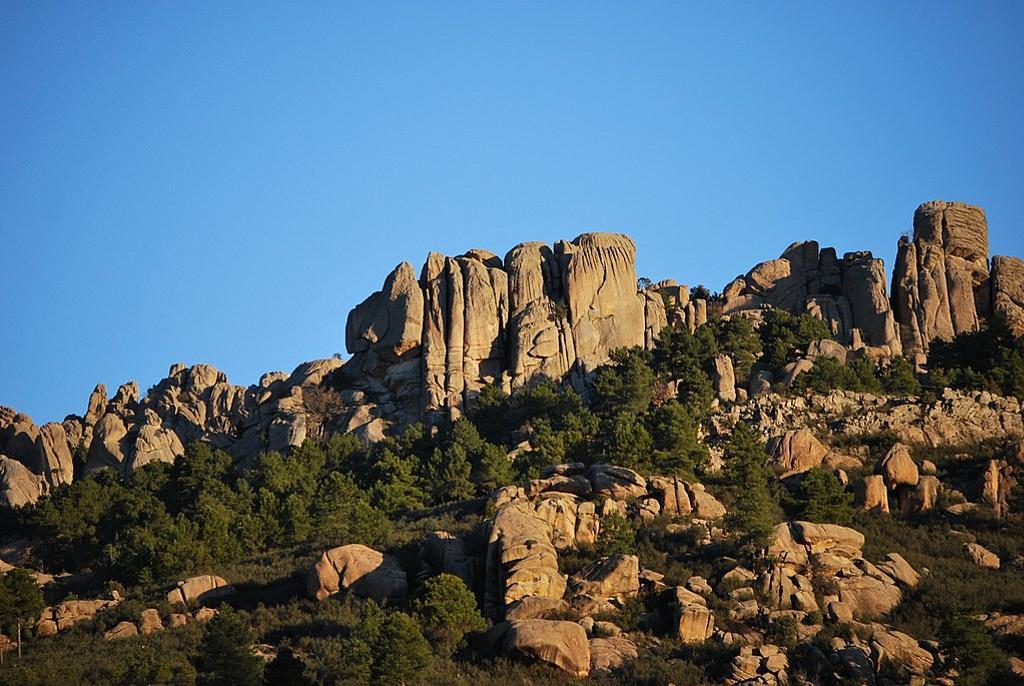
column 546, row 468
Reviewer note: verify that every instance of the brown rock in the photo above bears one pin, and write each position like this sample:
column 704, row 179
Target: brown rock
column 611, row 653
column 122, row 630
column 18, row 485
column 981, row 556
column 149, row 622
column 562, row 644
column 694, row 623
column 199, row 589
column 360, row 570
column 724, row 380
column 873, row 494
column 1008, row 291
column 898, row 467
column 609, row 577
column 615, row 482
column 796, row 451
column 829, row 537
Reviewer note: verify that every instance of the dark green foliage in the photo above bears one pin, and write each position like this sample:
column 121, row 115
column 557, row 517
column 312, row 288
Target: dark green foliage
column 624, row 386
column 677, row 448
column 447, row 611
column 990, row 359
column 616, row 536
column 966, row 640
column 21, row 601
column 737, row 338
column 894, row 376
column 783, row 335
column 401, row 654
column 750, row 515
column 225, row 657
column 782, row 632
column 823, row 499
column 685, row 357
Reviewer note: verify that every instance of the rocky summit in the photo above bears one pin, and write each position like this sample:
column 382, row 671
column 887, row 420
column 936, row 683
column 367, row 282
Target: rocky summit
column 544, row 468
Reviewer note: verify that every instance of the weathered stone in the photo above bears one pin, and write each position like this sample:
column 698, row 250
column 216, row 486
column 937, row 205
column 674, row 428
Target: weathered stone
column 199, row 589
column 611, row 653
column 873, row 494
column 150, row 622
column 796, row 451
column 1008, row 291
column 122, row 630
column 357, row 569
column 941, row 278
column 615, row 482
column 18, row 485
column 829, row 537
column 981, row 556
column 609, row 577
column 562, row 644
column 898, row 467
column 724, row 380
column 521, row 559
column 694, row 623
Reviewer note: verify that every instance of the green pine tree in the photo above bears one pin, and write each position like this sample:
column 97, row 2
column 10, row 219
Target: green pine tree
column 447, row 612
column 225, row 657
column 750, row 516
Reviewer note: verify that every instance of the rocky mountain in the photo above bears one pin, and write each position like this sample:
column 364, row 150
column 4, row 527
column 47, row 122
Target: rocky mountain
column 542, row 467
column 424, row 347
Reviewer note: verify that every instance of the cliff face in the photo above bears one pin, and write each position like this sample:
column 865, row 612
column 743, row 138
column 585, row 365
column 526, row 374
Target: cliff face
column 941, row 278
column 475, row 319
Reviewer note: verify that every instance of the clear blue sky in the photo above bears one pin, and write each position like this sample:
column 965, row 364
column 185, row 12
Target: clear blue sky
column 221, row 182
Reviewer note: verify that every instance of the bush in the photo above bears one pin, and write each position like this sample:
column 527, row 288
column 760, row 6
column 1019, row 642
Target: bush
column 823, row 499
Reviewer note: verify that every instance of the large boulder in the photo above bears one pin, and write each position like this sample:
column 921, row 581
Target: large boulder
column 358, row 569
column 1008, row 291
column 521, row 559
column 898, row 467
column 609, row 577
column 724, row 379
column 981, row 556
column 618, row 483
column 18, row 485
column 873, row 494
column 607, row 654
column 204, row 588
column 558, row 643
column 829, row 537
column 796, row 451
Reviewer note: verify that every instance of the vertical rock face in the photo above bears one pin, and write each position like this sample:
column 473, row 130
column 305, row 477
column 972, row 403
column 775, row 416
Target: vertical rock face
column 1008, row 291
column 941, row 278
column 474, row 320
column 849, row 295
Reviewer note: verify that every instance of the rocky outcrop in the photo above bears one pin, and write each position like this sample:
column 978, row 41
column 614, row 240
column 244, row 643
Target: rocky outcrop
column 860, row 588
column 521, row 559
column 607, row 654
column 1008, row 291
column 849, row 295
column 610, row 577
column 940, row 283
column 796, row 451
column 357, row 569
column 431, row 345
column 18, row 485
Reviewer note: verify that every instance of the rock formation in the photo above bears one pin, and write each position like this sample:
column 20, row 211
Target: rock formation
column 357, row 569
column 431, row 345
column 849, row 295
column 942, row 284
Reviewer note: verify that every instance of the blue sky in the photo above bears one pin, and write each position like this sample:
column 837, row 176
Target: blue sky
column 222, row 182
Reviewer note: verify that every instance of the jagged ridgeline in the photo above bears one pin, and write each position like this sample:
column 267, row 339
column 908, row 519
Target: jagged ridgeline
column 544, row 467
column 423, row 348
